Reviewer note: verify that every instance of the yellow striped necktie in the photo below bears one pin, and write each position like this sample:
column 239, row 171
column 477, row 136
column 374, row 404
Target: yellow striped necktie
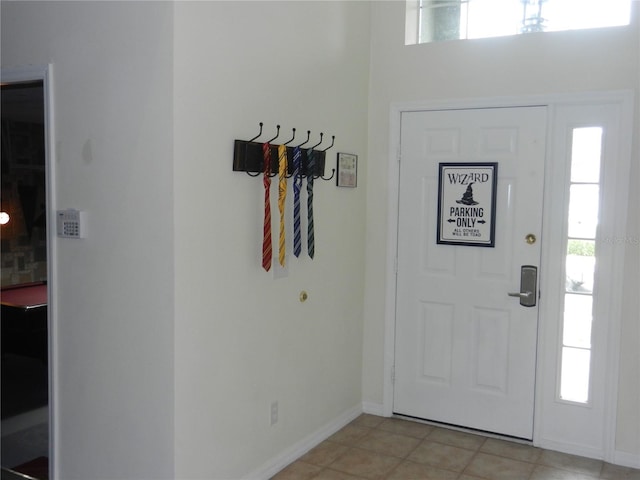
column 282, row 195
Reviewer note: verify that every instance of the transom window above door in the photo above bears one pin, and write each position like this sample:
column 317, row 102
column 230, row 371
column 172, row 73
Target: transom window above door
column 440, row 20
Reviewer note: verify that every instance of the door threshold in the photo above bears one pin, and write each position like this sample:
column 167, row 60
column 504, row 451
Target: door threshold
column 459, row 428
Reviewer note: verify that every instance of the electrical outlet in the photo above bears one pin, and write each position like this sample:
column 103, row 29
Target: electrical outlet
column 274, row 413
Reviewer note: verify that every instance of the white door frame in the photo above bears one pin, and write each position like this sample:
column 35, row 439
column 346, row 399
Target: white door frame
column 625, row 99
column 45, row 74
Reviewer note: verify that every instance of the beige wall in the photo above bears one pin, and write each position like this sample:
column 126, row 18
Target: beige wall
column 113, row 139
column 563, row 62
column 171, row 341
column 628, row 428
column 242, row 338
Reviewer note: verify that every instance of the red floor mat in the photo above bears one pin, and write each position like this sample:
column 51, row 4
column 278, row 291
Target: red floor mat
column 36, row 468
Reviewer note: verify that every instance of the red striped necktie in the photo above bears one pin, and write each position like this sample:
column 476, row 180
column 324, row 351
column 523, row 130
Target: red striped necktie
column 266, row 237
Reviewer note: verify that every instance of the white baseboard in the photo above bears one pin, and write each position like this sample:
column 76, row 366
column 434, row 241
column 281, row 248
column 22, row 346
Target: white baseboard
column 373, row 408
column 569, row 448
column 623, row 459
column 626, row 459
column 273, row 466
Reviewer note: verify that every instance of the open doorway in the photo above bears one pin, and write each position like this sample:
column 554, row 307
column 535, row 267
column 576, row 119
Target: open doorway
column 25, row 270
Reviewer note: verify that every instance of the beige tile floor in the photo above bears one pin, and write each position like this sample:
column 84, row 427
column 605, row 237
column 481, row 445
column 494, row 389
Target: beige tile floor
column 380, row 448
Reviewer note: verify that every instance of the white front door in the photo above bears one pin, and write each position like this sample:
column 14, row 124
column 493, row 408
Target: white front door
column 465, row 351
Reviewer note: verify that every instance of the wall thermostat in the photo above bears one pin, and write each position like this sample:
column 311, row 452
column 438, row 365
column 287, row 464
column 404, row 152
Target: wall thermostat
column 71, row 223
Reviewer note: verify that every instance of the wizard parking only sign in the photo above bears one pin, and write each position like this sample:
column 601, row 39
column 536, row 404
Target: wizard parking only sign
column 467, row 203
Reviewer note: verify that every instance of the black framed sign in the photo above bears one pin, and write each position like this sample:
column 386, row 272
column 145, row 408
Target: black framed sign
column 467, row 203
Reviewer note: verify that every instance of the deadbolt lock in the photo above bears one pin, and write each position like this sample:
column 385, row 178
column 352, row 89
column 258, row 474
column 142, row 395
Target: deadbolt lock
column 530, row 239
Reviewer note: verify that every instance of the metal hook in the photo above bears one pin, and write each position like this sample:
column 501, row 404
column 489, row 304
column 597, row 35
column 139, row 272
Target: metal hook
column 333, row 172
column 274, row 174
column 277, row 134
column 307, row 140
column 294, row 136
column 333, row 140
column 260, row 133
column 245, row 152
column 289, row 175
column 310, row 174
column 321, row 134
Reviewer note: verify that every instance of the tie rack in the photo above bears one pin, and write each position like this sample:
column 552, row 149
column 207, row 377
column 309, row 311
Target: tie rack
column 248, row 156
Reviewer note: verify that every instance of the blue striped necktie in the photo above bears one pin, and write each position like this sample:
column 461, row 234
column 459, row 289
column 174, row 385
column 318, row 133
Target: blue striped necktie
column 311, row 163
column 297, row 186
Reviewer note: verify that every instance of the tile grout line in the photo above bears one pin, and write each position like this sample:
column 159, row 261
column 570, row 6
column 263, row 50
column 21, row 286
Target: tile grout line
column 406, row 457
column 368, row 427
column 475, row 454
